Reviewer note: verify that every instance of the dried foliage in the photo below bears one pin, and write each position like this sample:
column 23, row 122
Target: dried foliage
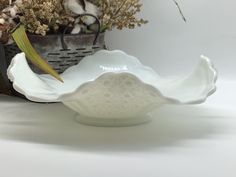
column 4, row 33
column 40, row 16
column 7, row 22
column 51, row 16
column 3, row 4
column 120, row 13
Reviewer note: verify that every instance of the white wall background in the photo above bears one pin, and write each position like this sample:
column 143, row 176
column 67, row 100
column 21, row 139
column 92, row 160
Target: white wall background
column 171, row 46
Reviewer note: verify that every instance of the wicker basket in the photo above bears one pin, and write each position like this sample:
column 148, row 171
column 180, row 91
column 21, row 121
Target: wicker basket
column 60, row 51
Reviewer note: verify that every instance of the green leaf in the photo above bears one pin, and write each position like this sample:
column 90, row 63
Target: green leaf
column 21, row 39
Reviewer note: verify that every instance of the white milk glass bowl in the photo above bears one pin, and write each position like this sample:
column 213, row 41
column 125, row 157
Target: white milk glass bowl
column 111, row 88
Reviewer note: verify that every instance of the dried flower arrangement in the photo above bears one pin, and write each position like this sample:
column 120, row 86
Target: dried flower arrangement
column 120, row 14
column 3, row 4
column 44, row 17
column 52, row 16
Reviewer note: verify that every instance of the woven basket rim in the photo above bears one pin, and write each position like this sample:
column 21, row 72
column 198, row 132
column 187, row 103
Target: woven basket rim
column 56, row 35
column 59, row 34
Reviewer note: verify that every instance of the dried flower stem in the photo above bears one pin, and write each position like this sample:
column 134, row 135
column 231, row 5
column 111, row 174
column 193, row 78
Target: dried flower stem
column 180, row 11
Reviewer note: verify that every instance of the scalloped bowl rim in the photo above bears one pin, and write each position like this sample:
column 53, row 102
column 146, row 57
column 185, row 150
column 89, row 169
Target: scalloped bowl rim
column 59, row 98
